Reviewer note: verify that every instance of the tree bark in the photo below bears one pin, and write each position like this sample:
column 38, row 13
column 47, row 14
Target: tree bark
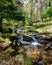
column 39, row 11
column 1, row 24
column 49, row 3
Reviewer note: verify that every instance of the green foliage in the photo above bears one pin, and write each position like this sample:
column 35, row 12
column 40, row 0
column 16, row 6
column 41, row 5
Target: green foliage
column 1, row 39
column 8, row 35
column 27, row 61
column 9, row 11
column 26, row 28
column 47, row 13
column 33, row 28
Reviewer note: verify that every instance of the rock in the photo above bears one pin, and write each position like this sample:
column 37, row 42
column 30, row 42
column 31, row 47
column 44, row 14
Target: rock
column 4, row 45
column 49, row 46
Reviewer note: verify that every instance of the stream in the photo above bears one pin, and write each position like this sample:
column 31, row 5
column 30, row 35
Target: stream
column 35, row 47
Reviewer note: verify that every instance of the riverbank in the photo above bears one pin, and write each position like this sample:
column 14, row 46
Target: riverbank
column 37, row 56
column 29, row 56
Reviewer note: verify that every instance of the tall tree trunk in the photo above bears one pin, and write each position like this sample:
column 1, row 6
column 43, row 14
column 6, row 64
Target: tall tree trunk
column 39, row 11
column 31, row 14
column 1, row 24
column 49, row 3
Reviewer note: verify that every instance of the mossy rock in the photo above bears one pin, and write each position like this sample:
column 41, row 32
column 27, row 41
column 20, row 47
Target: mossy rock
column 8, row 35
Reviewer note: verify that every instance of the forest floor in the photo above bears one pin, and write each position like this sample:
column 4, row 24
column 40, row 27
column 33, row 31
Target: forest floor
column 39, row 56
column 45, row 27
column 42, row 56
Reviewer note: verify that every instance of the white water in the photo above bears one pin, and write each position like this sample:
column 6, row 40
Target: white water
column 35, row 43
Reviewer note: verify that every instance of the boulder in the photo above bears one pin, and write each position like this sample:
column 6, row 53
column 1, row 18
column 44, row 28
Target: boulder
column 5, row 44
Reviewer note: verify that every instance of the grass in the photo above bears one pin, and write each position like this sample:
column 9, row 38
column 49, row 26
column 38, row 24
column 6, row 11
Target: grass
column 42, row 27
column 43, row 23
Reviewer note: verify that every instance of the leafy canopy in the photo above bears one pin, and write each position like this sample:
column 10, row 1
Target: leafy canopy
column 8, row 10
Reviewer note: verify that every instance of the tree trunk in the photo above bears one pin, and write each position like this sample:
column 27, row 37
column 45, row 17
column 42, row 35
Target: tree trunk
column 31, row 14
column 1, row 24
column 49, row 3
column 39, row 11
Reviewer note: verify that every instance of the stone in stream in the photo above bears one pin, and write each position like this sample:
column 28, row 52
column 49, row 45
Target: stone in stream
column 49, row 46
column 18, row 31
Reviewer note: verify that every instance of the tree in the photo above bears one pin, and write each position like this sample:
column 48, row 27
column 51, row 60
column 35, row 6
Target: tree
column 8, row 10
column 29, row 11
column 39, row 11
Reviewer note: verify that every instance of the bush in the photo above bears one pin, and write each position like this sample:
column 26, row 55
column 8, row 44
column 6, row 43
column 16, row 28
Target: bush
column 7, row 30
column 1, row 39
column 27, row 61
column 8, row 35
column 47, row 13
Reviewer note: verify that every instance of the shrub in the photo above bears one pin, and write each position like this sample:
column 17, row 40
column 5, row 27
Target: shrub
column 7, row 30
column 8, row 35
column 47, row 13
column 1, row 39
column 27, row 61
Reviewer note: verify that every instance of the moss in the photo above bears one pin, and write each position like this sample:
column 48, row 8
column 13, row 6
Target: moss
column 1, row 39
column 27, row 61
column 8, row 35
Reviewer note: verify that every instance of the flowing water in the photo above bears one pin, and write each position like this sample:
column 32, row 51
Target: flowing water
column 35, row 50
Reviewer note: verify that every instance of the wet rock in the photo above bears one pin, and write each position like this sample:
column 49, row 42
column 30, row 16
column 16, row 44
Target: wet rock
column 41, row 63
column 5, row 44
column 49, row 46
